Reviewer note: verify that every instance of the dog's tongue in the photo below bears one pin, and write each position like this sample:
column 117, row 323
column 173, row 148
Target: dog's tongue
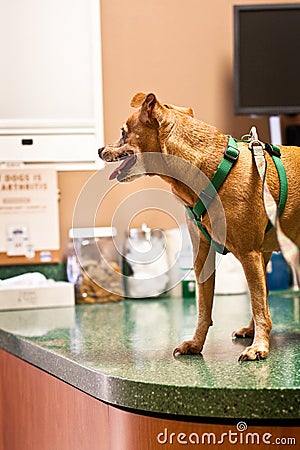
column 127, row 162
column 113, row 175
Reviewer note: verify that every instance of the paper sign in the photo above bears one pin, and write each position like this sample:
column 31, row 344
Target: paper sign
column 28, row 210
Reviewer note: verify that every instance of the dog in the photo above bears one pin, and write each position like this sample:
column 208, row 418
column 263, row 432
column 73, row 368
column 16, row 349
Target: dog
column 166, row 131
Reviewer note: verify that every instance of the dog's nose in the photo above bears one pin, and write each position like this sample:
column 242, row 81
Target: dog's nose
column 100, row 151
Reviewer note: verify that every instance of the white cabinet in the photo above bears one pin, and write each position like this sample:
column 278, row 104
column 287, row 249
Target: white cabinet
column 50, row 81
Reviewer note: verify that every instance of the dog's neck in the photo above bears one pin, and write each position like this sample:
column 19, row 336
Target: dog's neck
column 201, row 146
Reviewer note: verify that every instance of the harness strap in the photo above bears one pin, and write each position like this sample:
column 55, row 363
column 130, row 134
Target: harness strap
column 197, row 212
column 275, row 153
column 230, row 157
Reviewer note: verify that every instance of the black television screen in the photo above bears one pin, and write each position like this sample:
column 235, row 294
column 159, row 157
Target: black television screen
column 267, row 59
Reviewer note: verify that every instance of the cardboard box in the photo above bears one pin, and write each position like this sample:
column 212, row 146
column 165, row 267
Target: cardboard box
column 59, row 293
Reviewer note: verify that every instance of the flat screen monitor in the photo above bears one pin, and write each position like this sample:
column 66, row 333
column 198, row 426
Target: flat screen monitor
column 267, row 59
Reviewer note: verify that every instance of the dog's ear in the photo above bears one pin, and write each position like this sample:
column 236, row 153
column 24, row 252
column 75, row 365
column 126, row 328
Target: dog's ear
column 146, row 115
column 188, row 111
column 147, row 103
column 138, row 100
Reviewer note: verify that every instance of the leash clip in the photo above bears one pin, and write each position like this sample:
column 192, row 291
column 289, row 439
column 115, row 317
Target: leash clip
column 255, row 145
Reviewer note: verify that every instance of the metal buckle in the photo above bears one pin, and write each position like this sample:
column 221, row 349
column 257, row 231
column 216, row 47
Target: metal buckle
column 230, row 156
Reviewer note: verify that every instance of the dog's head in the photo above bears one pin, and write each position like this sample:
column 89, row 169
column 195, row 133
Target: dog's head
column 146, row 130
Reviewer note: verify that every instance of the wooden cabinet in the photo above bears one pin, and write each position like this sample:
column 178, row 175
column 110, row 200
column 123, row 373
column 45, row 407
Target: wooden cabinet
column 50, row 81
column 40, row 412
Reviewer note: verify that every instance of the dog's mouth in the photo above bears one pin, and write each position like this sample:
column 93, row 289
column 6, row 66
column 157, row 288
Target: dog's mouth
column 121, row 172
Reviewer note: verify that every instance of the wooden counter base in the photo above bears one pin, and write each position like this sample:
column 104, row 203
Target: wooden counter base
column 40, row 412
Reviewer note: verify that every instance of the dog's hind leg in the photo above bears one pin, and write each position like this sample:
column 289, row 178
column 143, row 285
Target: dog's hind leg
column 245, row 332
column 205, row 275
column 254, row 268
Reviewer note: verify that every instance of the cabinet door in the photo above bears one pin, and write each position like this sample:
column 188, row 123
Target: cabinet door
column 50, row 80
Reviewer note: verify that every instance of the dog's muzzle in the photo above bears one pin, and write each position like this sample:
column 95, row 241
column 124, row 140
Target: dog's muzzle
column 100, row 152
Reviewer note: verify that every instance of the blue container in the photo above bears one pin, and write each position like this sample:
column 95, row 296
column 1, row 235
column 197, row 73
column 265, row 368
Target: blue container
column 278, row 273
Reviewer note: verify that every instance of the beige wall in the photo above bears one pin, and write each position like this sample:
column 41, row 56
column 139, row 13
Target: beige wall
column 180, row 50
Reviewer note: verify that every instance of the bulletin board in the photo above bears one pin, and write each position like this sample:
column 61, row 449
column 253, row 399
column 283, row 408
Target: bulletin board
column 29, row 219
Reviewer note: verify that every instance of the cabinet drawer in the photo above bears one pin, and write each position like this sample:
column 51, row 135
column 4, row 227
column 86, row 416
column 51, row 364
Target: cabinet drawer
column 49, row 148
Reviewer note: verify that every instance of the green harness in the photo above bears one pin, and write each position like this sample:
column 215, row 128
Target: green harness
column 208, row 194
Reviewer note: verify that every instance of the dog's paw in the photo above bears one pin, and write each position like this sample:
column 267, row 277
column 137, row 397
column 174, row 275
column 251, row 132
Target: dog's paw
column 254, row 353
column 245, row 332
column 187, row 348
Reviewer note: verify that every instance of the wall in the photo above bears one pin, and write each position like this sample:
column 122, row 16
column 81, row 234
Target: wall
column 180, row 50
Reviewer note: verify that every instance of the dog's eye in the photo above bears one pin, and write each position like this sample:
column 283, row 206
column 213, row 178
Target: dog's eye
column 123, row 133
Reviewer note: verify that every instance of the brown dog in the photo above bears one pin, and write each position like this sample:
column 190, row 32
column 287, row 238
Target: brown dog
column 169, row 130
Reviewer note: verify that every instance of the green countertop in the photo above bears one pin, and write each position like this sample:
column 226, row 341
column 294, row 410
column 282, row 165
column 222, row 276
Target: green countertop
column 121, row 353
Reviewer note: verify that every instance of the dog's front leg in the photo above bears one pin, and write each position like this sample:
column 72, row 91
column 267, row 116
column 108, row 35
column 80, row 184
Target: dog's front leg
column 254, row 268
column 205, row 275
column 248, row 331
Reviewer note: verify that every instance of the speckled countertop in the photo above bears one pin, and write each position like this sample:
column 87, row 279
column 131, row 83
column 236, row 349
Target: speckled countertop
column 122, row 353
